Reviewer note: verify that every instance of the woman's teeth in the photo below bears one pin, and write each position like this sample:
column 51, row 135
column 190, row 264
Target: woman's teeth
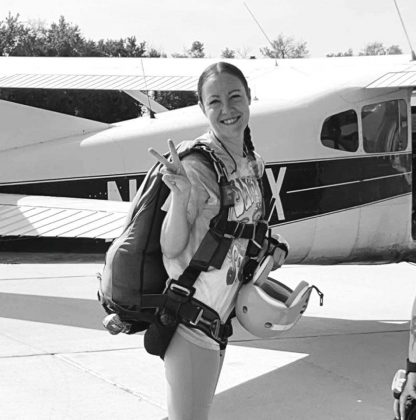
column 230, row 121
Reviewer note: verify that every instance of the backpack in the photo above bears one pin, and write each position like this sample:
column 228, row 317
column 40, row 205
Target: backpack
column 134, row 284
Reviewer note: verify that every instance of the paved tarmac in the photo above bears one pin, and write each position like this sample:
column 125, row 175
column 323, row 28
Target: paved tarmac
column 57, row 362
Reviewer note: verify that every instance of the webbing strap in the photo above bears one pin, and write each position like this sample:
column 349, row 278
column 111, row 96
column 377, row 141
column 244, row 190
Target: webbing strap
column 180, row 305
column 218, row 164
column 217, row 241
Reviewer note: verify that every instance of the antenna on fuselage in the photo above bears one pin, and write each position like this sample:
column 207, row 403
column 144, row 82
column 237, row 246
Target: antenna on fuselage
column 149, row 105
column 260, row 27
column 405, row 31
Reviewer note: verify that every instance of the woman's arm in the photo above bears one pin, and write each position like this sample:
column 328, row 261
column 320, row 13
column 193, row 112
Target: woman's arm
column 175, row 226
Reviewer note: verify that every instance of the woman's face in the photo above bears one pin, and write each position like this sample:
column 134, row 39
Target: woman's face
column 225, row 103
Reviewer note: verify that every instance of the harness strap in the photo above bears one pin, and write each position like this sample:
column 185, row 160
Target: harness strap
column 177, row 304
column 196, row 314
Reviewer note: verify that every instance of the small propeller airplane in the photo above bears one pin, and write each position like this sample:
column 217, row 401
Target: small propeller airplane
column 336, row 135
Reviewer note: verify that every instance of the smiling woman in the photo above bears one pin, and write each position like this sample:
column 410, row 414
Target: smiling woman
column 200, row 212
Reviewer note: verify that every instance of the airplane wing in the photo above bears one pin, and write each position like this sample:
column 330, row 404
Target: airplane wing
column 37, row 216
column 103, row 73
column 402, row 78
column 58, row 217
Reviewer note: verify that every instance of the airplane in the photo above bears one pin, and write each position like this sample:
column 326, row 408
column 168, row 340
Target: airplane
column 337, row 136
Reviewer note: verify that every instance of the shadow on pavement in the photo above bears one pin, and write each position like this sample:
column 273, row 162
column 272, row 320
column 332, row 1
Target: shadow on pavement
column 346, row 373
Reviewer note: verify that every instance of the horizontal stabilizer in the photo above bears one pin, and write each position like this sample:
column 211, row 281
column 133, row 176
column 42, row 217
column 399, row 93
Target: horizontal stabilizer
column 23, row 125
column 58, row 217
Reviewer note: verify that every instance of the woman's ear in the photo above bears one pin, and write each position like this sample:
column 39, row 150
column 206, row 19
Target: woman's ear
column 249, row 96
column 201, row 106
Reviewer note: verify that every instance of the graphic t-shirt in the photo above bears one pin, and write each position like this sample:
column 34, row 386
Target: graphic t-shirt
column 216, row 288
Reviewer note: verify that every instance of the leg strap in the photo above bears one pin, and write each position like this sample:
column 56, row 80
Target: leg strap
column 181, row 307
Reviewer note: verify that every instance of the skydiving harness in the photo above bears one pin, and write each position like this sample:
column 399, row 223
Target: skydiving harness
column 177, row 304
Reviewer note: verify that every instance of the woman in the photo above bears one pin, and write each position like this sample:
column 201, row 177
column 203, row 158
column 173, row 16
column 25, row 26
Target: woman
column 193, row 360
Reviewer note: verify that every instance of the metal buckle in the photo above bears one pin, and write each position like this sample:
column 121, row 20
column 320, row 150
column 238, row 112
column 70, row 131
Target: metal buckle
column 181, row 290
column 198, row 317
column 238, row 231
column 253, row 238
column 215, row 328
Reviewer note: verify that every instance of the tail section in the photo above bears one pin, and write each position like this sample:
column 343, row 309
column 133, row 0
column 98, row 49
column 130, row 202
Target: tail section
column 23, row 125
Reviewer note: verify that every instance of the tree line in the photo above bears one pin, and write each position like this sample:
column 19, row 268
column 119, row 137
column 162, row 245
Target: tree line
column 64, row 39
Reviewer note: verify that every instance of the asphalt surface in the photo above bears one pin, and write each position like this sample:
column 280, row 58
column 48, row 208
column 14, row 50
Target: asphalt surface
column 57, row 361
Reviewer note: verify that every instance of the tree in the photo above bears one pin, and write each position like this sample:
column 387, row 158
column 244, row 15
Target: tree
column 133, row 49
column 394, row 49
column 121, row 47
column 285, row 47
column 14, row 37
column 196, row 50
column 175, row 99
column 227, row 53
column 348, row 53
column 153, row 52
column 64, row 39
column 377, row 48
column 243, row 52
column 373, row 48
column 179, row 55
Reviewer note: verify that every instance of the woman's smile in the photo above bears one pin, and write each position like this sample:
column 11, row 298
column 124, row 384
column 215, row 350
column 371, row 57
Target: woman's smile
column 225, row 103
column 230, row 121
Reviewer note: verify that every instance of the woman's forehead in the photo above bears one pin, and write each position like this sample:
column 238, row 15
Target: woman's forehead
column 221, row 82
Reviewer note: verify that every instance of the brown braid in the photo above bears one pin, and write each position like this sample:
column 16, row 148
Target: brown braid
column 248, row 142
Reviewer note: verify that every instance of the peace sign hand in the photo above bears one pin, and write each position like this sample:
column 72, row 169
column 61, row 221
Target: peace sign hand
column 174, row 174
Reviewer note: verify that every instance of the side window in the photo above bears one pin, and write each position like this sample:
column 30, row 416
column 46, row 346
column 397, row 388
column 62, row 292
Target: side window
column 385, row 126
column 414, row 125
column 340, row 131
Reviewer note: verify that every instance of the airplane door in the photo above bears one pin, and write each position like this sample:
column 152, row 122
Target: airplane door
column 413, row 122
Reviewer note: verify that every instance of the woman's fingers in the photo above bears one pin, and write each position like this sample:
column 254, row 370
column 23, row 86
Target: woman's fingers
column 159, row 157
column 173, row 166
column 169, row 181
column 174, row 154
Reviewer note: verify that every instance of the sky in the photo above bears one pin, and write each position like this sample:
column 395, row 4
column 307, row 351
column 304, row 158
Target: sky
column 327, row 26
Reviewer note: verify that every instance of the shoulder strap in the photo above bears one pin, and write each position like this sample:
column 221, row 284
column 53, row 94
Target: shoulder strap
column 186, row 148
column 217, row 241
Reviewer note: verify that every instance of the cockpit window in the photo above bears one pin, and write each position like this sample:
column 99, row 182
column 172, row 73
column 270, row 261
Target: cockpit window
column 385, row 126
column 340, row 131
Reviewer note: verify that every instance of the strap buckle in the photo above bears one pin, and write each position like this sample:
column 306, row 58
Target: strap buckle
column 254, row 236
column 215, row 328
column 198, row 318
column 238, row 231
column 180, row 290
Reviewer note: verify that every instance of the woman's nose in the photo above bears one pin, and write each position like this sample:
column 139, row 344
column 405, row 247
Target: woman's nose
column 226, row 106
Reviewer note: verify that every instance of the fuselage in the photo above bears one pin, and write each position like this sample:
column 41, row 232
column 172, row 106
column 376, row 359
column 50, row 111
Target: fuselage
column 333, row 202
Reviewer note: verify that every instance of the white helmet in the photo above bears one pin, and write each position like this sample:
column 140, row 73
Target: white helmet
column 266, row 307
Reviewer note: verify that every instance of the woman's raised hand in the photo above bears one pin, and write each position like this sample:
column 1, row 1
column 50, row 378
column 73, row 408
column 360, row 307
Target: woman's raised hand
column 174, row 174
